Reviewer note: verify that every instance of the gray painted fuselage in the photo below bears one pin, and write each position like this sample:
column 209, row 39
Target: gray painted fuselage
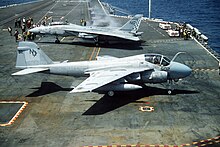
column 80, row 68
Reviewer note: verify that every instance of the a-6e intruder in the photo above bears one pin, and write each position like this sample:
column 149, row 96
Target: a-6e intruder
column 106, row 74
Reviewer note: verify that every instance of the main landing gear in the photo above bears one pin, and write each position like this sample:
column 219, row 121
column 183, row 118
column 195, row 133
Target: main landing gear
column 111, row 93
column 57, row 40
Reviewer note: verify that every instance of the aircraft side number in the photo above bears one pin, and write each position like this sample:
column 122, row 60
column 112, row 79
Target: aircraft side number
column 33, row 53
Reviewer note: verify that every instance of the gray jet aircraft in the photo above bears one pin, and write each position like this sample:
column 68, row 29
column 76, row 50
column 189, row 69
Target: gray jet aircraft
column 106, row 74
column 128, row 32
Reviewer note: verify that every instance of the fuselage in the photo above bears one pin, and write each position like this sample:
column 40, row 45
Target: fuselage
column 85, row 32
column 83, row 68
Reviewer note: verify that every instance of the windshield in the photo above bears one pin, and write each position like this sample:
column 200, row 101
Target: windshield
column 165, row 61
column 157, row 59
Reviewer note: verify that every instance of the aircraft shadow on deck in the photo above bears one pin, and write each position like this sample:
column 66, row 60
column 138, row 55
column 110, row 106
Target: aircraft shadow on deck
column 47, row 88
column 107, row 104
column 124, row 46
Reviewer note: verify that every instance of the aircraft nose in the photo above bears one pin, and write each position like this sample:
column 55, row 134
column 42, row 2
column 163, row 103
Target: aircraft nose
column 178, row 70
column 186, row 70
column 34, row 30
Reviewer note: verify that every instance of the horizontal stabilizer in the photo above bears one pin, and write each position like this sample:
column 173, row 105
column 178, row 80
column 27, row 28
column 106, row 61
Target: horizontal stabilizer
column 29, row 71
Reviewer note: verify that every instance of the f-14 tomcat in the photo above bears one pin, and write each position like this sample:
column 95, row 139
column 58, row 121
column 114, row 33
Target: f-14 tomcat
column 106, row 74
column 95, row 34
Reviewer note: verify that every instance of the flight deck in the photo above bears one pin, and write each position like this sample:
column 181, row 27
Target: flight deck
column 54, row 117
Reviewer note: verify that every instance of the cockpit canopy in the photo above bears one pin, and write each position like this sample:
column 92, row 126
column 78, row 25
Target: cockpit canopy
column 157, row 59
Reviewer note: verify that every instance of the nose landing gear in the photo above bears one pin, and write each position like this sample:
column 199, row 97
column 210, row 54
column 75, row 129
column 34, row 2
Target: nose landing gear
column 169, row 91
column 170, row 86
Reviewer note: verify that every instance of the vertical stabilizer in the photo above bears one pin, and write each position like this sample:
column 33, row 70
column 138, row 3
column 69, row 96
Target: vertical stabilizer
column 133, row 24
column 29, row 54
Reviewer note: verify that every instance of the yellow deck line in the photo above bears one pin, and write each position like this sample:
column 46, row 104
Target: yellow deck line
column 97, row 52
column 62, row 38
column 92, row 54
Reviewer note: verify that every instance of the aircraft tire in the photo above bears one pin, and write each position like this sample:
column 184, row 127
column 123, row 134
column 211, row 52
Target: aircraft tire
column 111, row 93
column 169, row 92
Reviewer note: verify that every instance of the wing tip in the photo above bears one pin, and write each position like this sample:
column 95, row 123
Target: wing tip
column 14, row 74
column 17, row 74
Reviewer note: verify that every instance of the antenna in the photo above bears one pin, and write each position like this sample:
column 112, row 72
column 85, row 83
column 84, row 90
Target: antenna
column 177, row 54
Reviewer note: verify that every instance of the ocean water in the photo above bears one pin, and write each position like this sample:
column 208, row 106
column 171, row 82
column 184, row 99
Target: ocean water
column 14, row 2
column 202, row 14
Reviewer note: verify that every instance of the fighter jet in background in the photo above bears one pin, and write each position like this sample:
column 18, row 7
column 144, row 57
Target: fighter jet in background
column 106, row 74
column 128, row 32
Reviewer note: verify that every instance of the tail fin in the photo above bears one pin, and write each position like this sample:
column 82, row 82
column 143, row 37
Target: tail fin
column 133, row 24
column 29, row 54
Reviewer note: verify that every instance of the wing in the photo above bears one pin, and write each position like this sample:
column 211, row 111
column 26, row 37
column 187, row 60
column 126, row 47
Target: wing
column 101, row 78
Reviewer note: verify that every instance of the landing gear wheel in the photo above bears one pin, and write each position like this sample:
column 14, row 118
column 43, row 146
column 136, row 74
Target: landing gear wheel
column 169, row 92
column 170, row 88
column 111, row 93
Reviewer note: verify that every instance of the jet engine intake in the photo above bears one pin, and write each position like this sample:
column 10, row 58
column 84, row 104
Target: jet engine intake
column 135, row 77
